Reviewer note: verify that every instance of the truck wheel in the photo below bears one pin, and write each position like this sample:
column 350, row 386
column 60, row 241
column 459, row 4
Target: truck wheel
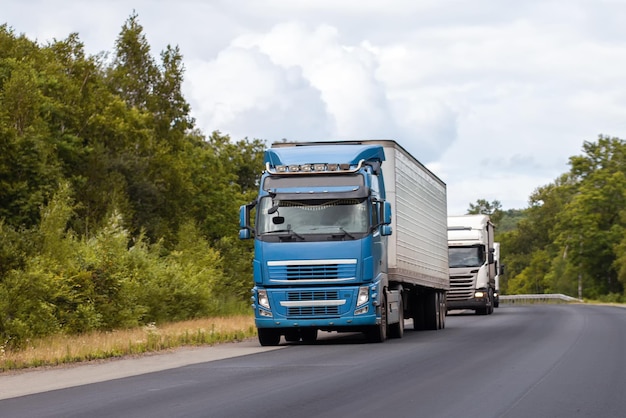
column 482, row 311
column 397, row 330
column 309, row 335
column 378, row 333
column 268, row 336
column 443, row 310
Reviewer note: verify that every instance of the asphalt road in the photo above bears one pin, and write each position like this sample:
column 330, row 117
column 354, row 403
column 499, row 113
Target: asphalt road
column 522, row 361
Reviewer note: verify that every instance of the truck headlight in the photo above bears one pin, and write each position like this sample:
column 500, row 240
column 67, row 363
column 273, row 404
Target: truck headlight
column 479, row 294
column 363, row 296
column 262, row 299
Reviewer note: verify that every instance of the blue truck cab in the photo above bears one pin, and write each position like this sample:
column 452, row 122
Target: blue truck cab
column 320, row 225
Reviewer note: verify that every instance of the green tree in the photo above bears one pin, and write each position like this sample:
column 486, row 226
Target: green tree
column 484, row 207
column 589, row 229
column 575, row 226
column 534, row 234
column 134, row 73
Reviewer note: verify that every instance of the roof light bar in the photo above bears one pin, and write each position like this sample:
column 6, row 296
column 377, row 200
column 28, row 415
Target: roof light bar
column 313, row 168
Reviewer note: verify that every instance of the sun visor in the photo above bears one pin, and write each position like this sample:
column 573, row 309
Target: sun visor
column 326, row 192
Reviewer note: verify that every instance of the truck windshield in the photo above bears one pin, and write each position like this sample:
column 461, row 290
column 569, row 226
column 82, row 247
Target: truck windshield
column 466, row 256
column 319, row 216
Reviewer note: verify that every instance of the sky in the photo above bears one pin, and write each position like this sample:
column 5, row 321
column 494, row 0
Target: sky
column 493, row 96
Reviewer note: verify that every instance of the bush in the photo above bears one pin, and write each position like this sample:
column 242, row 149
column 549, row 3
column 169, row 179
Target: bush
column 102, row 283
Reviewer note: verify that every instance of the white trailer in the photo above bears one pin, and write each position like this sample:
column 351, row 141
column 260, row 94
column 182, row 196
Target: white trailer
column 418, row 247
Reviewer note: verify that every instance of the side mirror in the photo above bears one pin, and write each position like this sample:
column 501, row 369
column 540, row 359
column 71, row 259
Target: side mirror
column 244, row 222
column 386, row 229
column 386, row 213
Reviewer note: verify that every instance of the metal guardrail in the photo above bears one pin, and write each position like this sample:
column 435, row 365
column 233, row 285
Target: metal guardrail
column 547, row 298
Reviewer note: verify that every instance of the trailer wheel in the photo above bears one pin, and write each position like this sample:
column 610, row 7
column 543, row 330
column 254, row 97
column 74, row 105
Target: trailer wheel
column 443, row 310
column 378, row 333
column 397, row 330
column 268, row 336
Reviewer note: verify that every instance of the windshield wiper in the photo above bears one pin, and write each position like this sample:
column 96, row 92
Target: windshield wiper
column 346, row 233
column 291, row 232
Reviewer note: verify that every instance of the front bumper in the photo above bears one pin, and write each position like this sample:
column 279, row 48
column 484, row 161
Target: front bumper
column 336, row 324
column 473, row 303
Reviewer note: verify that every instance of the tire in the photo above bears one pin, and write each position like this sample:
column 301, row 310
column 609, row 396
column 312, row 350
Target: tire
column 491, row 302
column 397, row 330
column 268, row 336
column 488, row 308
column 378, row 333
column 443, row 310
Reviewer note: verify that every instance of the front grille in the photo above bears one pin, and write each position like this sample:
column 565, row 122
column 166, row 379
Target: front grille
column 313, row 295
column 461, row 288
column 318, row 296
column 313, row 311
column 312, row 272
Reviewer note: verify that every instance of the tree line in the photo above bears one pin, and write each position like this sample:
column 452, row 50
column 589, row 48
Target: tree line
column 572, row 237
column 117, row 211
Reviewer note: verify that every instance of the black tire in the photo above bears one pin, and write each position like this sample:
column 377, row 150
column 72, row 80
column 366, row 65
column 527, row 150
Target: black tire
column 397, row 330
column 491, row 302
column 443, row 310
column 268, row 336
column 488, row 308
column 378, row 333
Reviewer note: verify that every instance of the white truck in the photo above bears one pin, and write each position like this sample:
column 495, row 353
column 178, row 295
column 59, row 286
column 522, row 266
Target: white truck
column 472, row 263
column 349, row 236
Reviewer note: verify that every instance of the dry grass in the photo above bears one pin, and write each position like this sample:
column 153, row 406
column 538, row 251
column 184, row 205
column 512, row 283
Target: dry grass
column 62, row 349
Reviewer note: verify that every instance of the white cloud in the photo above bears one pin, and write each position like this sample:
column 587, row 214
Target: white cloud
column 493, row 96
column 242, row 93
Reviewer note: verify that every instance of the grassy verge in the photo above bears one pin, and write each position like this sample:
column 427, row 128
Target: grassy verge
column 62, row 349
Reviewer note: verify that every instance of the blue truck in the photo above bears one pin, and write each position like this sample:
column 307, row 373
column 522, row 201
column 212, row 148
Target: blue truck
column 349, row 236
